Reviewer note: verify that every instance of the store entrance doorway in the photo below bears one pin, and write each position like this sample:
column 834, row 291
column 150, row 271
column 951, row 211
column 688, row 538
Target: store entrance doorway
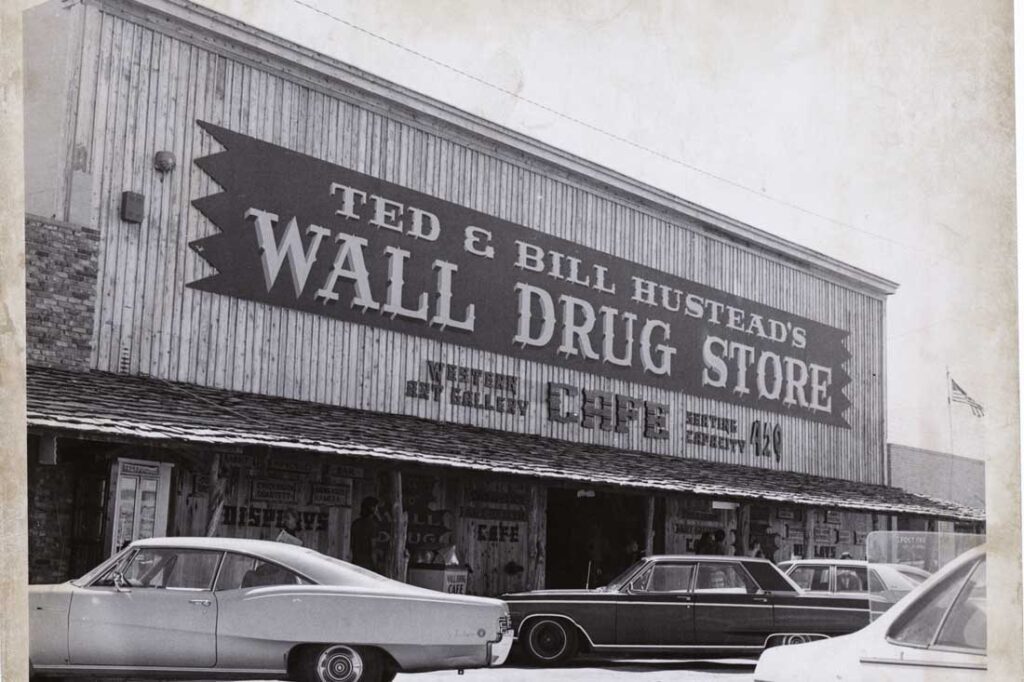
column 589, row 536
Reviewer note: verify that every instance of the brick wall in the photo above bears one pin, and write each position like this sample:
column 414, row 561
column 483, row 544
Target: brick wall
column 51, row 497
column 61, row 262
column 938, row 474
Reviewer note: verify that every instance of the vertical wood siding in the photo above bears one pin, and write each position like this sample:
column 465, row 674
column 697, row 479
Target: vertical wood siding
column 142, row 91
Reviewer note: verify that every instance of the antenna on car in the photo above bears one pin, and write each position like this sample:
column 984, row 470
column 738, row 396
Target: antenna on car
column 587, row 586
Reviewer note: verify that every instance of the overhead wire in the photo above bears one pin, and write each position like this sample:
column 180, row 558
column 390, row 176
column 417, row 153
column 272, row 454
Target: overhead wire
column 611, row 135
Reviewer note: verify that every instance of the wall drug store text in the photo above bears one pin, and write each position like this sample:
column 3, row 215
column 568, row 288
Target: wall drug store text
column 302, row 233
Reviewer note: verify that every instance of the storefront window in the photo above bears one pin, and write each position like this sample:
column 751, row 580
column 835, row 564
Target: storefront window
column 142, row 501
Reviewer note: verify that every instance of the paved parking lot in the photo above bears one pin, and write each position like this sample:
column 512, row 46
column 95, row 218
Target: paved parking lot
column 734, row 670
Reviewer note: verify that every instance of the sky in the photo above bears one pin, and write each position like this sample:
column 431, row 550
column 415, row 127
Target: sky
column 877, row 133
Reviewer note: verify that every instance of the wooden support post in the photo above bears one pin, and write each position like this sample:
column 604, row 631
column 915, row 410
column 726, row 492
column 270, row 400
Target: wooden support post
column 536, row 536
column 649, row 527
column 810, row 517
column 48, row 449
column 743, row 519
column 397, row 561
column 218, row 490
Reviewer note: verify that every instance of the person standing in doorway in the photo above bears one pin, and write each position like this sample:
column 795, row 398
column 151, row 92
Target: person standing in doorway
column 720, row 547
column 289, row 527
column 364, row 531
column 771, row 545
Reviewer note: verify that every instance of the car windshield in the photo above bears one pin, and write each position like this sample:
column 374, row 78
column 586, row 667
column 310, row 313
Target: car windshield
column 120, row 557
column 619, row 581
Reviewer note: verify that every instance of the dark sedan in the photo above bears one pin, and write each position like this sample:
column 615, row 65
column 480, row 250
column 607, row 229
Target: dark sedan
column 681, row 606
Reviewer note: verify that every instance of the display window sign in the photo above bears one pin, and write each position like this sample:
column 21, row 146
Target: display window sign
column 302, row 233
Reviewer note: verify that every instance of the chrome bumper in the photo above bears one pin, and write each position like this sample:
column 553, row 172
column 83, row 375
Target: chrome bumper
column 498, row 651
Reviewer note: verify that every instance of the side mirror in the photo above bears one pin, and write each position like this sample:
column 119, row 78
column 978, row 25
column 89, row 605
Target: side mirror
column 120, row 584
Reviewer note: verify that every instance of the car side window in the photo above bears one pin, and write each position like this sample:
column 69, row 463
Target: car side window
column 966, row 623
column 724, row 578
column 851, row 579
column 875, row 584
column 243, row 571
column 918, row 625
column 664, row 577
column 812, row 578
column 164, row 567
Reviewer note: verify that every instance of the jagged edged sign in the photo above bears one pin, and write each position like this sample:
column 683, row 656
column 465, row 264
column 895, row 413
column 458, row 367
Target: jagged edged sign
column 302, row 233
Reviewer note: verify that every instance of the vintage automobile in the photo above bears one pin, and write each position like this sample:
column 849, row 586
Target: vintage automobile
column 687, row 606
column 938, row 631
column 229, row 608
column 887, row 582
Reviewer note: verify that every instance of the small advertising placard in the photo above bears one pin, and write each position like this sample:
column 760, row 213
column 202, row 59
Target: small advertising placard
column 336, row 471
column 330, row 495
column 268, row 490
column 824, row 535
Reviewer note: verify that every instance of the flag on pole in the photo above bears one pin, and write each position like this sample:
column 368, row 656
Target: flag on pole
column 959, row 395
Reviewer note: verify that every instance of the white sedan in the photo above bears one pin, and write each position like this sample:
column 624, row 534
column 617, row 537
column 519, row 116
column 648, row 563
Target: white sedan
column 937, row 631
column 229, row 608
column 887, row 583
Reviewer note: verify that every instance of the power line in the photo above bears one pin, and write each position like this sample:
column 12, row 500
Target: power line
column 606, row 133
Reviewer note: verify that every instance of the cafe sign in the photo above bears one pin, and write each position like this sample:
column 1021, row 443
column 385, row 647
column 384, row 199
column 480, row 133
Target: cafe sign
column 305, row 234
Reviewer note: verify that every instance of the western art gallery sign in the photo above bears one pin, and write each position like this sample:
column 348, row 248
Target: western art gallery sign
column 298, row 232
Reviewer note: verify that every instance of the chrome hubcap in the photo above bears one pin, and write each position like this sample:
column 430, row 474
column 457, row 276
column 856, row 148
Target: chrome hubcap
column 548, row 639
column 339, row 664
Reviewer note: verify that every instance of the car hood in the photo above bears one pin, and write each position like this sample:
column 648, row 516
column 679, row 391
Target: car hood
column 802, row 662
column 551, row 594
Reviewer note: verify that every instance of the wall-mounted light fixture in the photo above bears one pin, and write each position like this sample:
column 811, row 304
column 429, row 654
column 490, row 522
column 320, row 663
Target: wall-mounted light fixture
column 164, row 161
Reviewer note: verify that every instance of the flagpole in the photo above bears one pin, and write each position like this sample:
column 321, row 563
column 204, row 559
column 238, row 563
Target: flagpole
column 949, row 411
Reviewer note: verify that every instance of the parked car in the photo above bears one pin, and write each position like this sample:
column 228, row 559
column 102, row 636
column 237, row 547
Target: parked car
column 681, row 606
column 218, row 607
column 938, row 630
column 887, row 582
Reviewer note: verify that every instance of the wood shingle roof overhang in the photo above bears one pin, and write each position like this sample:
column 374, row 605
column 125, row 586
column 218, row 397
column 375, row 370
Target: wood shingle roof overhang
column 157, row 410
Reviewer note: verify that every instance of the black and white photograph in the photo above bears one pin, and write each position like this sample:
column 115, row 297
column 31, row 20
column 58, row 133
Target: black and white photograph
column 577, row 340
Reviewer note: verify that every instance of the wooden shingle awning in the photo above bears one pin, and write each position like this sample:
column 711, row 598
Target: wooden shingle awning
column 153, row 409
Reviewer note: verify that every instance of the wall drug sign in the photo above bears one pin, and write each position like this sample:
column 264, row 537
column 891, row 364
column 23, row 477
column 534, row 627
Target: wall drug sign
column 302, row 233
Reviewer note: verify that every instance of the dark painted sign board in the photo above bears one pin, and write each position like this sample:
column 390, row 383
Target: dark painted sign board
column 302, row 233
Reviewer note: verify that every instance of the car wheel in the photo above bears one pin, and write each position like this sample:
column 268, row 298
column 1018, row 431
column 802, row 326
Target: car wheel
column 796, row 639
column 340, row 663
column 550, row 640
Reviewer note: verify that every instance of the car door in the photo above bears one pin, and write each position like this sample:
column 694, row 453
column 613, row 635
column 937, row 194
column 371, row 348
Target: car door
column 161, row 612
column 943, row 635
column 655, row 609
column 729, row 609
column 252, row 621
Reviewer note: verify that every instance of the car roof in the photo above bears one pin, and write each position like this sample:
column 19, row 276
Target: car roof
column 305, row 560
column 705, row 557
column 836, row 562
column 268, row 547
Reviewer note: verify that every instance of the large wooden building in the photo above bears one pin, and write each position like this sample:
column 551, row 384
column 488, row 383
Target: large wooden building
column 262, row 281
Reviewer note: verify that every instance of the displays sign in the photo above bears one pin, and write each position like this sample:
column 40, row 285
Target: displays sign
column 301, row 233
